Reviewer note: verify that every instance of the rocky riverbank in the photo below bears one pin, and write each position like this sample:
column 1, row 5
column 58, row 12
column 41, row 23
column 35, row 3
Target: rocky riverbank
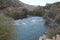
column 44, row 37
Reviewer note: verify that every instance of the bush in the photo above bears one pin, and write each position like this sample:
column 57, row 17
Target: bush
column 16, row 13
column 6, row 28
column 58, row 20
column 37, row 12
column 53, row 32
column 3, row 4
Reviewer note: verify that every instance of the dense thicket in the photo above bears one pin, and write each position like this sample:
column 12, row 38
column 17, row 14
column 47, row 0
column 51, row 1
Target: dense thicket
column 53, row 19
column 6, row 23
column 15, row 13
column 39, row 11
column 6, row 28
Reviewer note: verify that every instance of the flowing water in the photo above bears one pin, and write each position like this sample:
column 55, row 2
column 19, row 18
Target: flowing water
column 30, row 28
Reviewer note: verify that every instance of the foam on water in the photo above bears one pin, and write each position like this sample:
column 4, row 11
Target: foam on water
column 30, row 28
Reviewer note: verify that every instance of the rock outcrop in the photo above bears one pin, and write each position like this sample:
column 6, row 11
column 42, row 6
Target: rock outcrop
column 53, row 38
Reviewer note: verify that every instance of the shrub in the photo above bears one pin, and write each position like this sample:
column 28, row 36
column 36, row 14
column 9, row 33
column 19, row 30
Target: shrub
column 6, row 28
column 53, row 32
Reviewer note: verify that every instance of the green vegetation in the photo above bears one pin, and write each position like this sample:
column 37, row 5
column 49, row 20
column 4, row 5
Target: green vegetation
column 16, row 13
column 3, row 4
column 38, row 11
column 53, row 32
column 6, row 28
column 53, row 19
column 6, row 23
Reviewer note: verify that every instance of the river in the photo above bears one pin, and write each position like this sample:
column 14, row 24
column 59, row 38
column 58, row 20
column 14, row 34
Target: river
column 30, row 28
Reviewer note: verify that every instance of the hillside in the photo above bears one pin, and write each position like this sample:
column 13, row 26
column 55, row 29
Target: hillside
column 29, row 7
